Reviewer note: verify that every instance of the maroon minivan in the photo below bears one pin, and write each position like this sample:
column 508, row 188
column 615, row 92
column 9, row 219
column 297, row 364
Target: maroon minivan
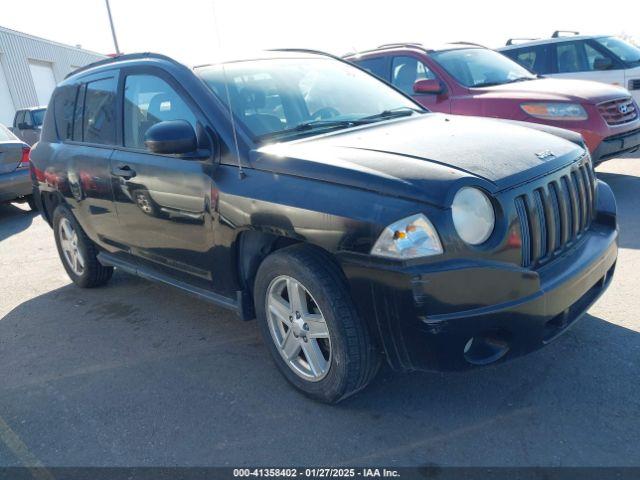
column 468, row 79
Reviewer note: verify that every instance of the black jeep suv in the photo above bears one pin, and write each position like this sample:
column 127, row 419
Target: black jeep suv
column 355, row 225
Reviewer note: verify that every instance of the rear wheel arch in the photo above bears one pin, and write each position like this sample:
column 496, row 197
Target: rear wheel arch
column 50, row 201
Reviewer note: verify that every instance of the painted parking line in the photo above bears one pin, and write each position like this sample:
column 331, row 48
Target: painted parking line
column 22, row 452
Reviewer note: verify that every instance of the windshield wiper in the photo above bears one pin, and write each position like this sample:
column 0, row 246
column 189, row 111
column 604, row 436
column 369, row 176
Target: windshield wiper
column 309, row 126
column 521, row 79
column 493, row 84
column 331, row 124
column 392, row 113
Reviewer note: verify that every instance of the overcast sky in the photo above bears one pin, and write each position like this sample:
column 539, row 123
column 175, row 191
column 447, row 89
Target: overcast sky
column 186, row 29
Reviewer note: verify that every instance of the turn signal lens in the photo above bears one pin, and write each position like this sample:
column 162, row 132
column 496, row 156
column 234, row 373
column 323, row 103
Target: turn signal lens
column 411, row 237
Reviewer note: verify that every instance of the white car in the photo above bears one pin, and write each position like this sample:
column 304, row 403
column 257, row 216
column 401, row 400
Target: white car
column 601, row 58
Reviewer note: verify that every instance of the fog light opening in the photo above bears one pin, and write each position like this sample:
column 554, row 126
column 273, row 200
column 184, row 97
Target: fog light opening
column 486, row 348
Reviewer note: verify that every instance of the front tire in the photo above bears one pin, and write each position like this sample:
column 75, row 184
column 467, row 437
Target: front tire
column 310, row 325
column 78, row 253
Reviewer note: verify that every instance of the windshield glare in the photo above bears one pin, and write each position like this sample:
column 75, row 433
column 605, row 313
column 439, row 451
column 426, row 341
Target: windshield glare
column 623, row 50
column 270, row 96
column 478, row 67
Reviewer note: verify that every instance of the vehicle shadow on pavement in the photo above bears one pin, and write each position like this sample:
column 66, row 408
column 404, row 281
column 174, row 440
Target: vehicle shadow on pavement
column 14, row 219
column 139, row 374
column 627, row 192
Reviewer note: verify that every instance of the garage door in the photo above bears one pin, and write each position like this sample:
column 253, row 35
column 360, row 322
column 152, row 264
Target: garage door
column 6, row 103
column 43, row 79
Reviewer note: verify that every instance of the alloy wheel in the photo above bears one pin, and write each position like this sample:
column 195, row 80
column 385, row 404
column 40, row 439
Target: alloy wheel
column 298, row 328
column 69, row 246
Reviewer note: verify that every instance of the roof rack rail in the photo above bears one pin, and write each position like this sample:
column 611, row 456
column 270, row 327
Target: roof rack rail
column 512, row 41
column 118, row 58
column 558, row 33
column 400, row 44
column 305, row 50
column 462, row 42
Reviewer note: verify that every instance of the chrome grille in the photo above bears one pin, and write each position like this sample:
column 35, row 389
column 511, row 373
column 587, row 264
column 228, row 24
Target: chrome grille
column 553, row 216
column 617, row 112
column 634, row 84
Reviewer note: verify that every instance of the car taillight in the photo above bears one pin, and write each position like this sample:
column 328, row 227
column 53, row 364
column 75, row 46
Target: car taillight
column 24, row 161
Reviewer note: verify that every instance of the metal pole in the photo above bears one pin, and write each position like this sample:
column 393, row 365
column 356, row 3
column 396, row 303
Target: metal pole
column 113, row 30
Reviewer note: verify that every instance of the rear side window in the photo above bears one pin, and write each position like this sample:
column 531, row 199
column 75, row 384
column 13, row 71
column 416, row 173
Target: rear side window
column 99, row 122
column 525, row 57
column 77, row 114
column 64, row 101
column 570, row 57
column 533, row 58
column 377, row 65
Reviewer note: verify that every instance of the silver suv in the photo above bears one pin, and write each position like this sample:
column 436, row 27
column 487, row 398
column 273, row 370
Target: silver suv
column 602, row 58
column 27, row 124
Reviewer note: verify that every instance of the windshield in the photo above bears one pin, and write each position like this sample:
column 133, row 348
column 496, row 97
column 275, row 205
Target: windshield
column 277, row 97
column 38, row 116
column 623, row 50
column 480, row 67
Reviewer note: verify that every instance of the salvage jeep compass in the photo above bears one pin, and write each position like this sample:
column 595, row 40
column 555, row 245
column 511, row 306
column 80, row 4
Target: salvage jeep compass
column 355, row 225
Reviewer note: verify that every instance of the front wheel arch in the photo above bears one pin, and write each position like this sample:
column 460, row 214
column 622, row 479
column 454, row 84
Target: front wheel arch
column 353, row 343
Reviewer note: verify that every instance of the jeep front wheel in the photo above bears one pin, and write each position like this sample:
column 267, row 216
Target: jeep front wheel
column 311, row 326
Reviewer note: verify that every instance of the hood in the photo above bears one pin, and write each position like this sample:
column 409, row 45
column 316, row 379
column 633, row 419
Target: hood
column 423, row 157
column 555, row 89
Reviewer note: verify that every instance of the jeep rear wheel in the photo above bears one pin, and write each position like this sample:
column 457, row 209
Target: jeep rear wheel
column 311, row 326
column 78, row 253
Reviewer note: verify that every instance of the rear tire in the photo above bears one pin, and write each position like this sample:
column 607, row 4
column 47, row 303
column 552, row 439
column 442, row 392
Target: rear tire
column 344, row 341
column 78, row 253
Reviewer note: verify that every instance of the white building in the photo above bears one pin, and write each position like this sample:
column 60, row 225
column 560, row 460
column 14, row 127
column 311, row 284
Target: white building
column 30, row 68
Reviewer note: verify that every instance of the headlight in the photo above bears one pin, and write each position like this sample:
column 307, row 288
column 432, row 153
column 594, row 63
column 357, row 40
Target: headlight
column 411, row 237
column 473, row 215
column 555, row 111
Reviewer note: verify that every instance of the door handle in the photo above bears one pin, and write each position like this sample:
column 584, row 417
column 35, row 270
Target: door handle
column 124, row 171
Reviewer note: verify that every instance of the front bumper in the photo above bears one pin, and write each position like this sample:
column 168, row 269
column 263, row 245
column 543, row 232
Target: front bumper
column 15, row 185
column 616, row 145
column 455, row 314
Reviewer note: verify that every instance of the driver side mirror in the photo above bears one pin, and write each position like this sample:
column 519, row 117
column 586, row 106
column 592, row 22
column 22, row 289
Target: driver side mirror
column 173, row 137
column 602, row 63
column 428, row 85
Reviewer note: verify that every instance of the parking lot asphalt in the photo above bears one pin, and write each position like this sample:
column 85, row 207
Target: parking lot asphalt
column 137, row 374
